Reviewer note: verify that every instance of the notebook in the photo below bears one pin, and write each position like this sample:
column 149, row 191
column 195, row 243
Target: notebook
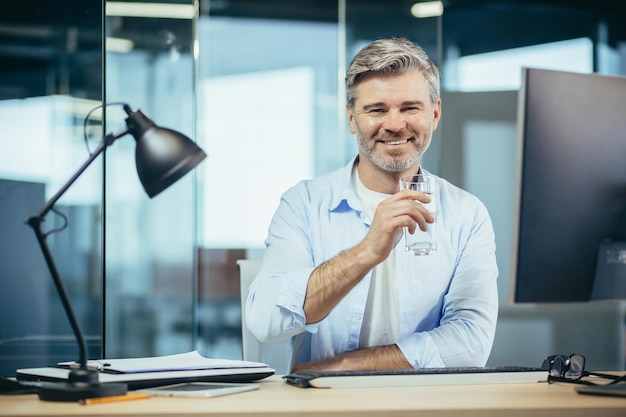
column 139, row 373
column 417, row 377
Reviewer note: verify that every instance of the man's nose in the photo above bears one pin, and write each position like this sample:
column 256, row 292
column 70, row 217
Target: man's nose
column 395, row 121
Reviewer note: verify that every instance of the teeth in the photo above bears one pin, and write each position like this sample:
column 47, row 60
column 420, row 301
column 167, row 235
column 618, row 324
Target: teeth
column 397, row 142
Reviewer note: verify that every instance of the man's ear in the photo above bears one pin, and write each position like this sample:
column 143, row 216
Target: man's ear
column 350, row 117
column 437, row 115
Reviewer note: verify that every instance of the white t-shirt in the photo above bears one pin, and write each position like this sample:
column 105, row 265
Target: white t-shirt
column 381, row 320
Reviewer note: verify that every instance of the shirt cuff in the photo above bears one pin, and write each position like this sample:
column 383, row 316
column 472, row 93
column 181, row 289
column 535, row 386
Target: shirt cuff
column 291, row 298
column 420, row 351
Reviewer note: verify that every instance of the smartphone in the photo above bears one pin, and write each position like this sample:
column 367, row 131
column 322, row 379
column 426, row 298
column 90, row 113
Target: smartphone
column 199, row 389
column 614, row 390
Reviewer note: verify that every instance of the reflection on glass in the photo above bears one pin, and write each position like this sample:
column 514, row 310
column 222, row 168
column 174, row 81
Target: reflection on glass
column 267, row 118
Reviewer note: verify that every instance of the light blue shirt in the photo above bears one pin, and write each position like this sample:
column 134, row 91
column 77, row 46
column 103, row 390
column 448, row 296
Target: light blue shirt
column 448, row 301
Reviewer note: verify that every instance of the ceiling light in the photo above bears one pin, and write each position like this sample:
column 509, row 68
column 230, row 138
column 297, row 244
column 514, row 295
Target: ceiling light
column 427, row 9
column 151, row 10
column 119, row 45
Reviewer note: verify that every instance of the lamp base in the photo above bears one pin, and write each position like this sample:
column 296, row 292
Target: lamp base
column 82, row 384
column 72, row 392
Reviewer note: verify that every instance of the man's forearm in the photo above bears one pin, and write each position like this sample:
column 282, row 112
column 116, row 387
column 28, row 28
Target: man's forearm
column 332, row 280
column 378, row 357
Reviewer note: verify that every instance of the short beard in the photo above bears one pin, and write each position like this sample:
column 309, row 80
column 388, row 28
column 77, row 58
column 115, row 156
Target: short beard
column 396, row 164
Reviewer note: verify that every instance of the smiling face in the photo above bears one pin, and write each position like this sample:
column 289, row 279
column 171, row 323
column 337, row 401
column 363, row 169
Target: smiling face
column 393, row 118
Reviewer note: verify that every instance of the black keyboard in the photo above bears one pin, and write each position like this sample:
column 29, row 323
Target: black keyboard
column 303, row 379
column 421, row 371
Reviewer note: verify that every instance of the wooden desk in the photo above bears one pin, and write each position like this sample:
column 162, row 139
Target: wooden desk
column 276, row 399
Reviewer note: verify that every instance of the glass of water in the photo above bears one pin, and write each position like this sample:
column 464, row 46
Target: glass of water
column 422, row 242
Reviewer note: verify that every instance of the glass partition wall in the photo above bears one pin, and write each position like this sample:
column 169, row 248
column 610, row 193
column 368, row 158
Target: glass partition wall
column 268, row 118
column 259, row 85
column 150, row 248
column 51, row 76
column 128, row 262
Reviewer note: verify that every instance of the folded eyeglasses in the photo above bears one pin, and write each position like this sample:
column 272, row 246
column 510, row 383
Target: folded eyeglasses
column 571, row 368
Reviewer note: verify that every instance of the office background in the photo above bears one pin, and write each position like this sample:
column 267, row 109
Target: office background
column 258, row 84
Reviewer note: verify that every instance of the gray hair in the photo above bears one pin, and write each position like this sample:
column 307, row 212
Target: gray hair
column 391, row 56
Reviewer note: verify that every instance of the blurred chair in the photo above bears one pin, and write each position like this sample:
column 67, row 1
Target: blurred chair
column 276, row 355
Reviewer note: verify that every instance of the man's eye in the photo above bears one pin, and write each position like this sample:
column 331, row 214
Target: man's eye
column 376, row 111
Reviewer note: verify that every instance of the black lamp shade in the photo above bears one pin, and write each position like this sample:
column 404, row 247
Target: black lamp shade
column 162, row 155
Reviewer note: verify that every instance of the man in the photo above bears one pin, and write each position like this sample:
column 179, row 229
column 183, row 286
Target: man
column 335, row 276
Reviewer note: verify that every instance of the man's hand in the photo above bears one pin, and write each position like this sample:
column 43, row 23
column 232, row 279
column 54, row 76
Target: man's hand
column 379, row 357
column 332, row 280
column 391, row 216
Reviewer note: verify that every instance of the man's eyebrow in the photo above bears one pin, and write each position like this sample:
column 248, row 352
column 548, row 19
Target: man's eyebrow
column 413, row 103
column 382, row 104
column 373, row 105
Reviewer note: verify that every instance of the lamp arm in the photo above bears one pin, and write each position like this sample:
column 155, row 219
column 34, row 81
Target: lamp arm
column 35, row 223
column 106, row 142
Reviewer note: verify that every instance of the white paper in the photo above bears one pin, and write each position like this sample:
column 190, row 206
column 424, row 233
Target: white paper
column 180, row 362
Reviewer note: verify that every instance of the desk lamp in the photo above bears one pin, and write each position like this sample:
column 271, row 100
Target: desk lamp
column 162, row 157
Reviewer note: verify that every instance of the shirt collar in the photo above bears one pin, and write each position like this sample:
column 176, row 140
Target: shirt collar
column 345, row 191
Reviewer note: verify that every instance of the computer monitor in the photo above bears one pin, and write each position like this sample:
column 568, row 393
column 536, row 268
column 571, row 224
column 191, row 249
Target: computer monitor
column 571, row 182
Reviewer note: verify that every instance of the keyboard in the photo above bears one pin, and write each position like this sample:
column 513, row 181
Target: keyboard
column 419, row 376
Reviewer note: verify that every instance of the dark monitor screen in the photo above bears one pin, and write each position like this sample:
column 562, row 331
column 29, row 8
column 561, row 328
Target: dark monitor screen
column 572, row 182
